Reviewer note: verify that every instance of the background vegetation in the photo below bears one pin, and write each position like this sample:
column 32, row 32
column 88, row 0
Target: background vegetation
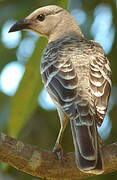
column 26, row 112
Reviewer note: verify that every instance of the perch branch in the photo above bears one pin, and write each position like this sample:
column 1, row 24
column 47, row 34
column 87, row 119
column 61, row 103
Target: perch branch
column 44, row 164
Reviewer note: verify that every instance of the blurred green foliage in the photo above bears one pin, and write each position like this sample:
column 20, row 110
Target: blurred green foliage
column 24, row 101
column 20, row 115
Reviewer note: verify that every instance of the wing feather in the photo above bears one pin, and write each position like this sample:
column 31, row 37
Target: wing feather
column 100, row 81
column 60, row 79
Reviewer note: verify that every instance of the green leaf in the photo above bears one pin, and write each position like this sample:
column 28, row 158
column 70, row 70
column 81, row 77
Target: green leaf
column 24, row 101
column 63, row 4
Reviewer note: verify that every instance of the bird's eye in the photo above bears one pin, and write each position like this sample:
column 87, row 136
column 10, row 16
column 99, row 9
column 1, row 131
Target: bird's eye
column 41, row 17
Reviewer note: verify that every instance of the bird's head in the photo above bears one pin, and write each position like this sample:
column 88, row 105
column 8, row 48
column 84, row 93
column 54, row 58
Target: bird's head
column 51, row 22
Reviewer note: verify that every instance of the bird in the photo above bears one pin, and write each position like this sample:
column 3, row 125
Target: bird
column 77, row 75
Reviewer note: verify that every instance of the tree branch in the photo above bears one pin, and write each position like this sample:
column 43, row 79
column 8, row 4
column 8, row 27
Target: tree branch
column 41, row 163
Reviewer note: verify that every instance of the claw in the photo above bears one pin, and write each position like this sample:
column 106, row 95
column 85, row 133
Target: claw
column 58, row 150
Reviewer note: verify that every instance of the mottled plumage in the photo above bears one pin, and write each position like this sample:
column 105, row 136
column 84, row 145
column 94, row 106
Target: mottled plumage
column 77, row 76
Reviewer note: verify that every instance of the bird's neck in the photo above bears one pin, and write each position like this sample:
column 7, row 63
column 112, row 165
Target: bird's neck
column 61, row 35
column 68, row 28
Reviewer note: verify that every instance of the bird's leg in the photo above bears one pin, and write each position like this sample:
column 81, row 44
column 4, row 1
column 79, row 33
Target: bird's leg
column 100, row 141
column 58, row 148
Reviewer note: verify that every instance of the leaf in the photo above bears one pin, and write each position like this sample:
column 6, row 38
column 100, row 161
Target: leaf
column 24, row 101
column 63, row 4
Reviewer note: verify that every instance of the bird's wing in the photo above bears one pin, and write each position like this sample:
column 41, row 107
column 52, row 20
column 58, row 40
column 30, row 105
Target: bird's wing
column 100, row 81
column 60, row 80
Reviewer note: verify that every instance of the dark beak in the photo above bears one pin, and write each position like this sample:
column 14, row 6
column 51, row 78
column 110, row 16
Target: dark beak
column 21, row 25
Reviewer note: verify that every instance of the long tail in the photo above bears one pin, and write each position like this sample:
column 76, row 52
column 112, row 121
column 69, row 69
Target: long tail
column 87, row 151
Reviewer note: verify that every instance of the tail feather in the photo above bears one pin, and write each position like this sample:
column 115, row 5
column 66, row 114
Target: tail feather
column 87, row 146
column 87, row 152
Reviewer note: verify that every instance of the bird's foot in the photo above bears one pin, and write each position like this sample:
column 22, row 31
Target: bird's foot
column 58, row 150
